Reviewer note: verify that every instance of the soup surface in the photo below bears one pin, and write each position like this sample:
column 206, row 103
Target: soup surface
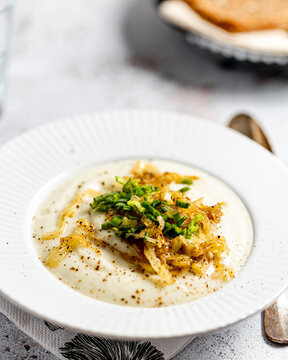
column 107, row 269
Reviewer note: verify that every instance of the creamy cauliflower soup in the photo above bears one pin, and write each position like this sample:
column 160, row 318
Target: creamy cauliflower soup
column 143, row 233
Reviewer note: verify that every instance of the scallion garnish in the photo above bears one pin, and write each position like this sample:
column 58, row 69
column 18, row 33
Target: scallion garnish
column 192, row 227
column 114, row 222
column 179, row 219
column 186, row 181
column 184, row 189
column 172, row 230
column 182, row 204
column 120, row 180
column 134, row 203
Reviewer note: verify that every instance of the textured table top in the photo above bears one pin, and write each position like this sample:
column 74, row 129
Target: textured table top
column 74, row 57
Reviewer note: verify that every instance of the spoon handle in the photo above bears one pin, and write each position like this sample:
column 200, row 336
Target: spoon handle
column 276, row 320
column 276, row 315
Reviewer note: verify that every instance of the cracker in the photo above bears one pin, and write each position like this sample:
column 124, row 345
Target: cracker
column 244, row 15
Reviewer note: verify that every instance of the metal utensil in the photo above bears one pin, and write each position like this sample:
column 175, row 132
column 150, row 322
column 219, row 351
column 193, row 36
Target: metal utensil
column 276, row 315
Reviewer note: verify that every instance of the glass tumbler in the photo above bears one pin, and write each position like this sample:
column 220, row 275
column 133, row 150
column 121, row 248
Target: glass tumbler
column 6, row 7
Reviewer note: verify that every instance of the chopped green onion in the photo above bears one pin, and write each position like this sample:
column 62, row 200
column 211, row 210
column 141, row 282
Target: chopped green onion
column 129, row 185
column 139, row 192
column 116, row 221
column 120, row 180
column 186, row 181
column 178, row 219
column 121, row 200
column 127, row 208
column 193, row 224
column 142, row 190
column 172, row 230
column 167, row 217
column 147, row 197
column 182, row 204
column 102, row 199
column 151, row 210
column 131, row 217
column 184, row 189
column 106, row 226
column 156, row 202
column 192, row 227
column 135, row 205
column 152, row 217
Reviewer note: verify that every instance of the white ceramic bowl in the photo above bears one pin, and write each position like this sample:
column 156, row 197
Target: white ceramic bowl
column 33, row 163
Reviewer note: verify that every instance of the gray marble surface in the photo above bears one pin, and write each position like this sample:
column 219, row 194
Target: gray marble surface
column 73, row 57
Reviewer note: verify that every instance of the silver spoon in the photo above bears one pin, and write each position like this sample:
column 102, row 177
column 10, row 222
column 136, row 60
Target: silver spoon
column 276, row 315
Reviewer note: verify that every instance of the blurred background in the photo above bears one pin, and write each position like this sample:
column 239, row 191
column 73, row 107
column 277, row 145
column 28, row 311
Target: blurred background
column 70, row 57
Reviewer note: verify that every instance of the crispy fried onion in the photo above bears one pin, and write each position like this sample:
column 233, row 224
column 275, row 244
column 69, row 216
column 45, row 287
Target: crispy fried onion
column 147, row 173
column 83, row 235
column 68, row 212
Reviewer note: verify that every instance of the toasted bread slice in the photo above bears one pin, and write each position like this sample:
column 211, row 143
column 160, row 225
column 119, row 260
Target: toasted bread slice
column 244, row 15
